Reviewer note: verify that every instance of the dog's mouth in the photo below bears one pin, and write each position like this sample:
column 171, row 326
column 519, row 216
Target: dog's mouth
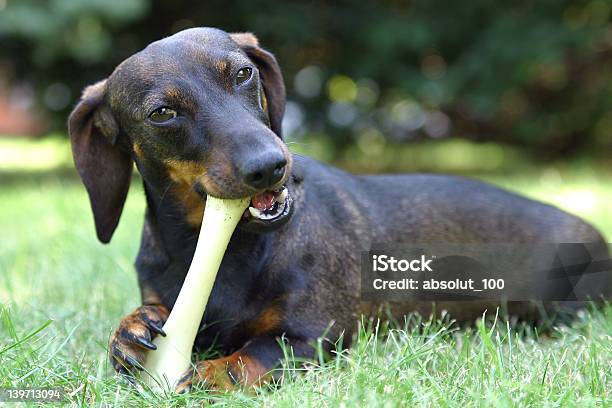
column 269, row 207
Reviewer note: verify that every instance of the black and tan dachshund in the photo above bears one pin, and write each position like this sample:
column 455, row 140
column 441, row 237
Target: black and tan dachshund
column 200, row 113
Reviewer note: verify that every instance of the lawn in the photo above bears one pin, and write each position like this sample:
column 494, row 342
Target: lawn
column 62, row 292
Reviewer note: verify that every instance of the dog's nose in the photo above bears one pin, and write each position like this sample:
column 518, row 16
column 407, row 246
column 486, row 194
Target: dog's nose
column 265, row 171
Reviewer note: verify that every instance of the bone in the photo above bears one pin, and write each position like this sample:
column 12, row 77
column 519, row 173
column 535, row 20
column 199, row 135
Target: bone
column 166, row 365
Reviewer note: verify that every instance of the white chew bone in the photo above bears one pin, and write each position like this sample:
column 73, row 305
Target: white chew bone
column 165, row 366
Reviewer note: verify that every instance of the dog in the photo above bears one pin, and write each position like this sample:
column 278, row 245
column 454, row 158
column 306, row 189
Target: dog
column 200, row 113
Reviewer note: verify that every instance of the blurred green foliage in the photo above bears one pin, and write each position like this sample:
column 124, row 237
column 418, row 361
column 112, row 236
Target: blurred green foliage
column 532, row 73
column 80, row 30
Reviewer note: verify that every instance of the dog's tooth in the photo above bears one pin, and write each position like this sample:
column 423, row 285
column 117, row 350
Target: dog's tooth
column 282, row 196
column 255, row 212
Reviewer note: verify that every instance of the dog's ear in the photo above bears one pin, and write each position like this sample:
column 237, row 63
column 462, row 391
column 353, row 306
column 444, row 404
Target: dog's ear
column 104, row 168
column 271, row 77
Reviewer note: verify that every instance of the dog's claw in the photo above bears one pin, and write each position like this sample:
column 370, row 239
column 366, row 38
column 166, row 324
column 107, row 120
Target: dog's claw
column 155, row 327
column 185, row 383
column 145, row 343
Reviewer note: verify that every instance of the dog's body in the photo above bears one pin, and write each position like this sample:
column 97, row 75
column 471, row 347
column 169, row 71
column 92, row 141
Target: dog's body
column 299, row 278
column 296, row 276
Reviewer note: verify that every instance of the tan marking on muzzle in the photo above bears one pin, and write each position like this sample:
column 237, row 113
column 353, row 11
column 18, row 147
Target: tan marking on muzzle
column 185, row 174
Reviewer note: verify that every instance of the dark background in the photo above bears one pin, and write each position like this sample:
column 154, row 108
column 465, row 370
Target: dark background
column 532, row 74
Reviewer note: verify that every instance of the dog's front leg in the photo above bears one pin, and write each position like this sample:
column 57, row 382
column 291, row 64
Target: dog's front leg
column 133, row 337
column 252, row 365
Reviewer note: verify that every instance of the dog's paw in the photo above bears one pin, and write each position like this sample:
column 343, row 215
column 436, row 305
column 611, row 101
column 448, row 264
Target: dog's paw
column 130, row 342
column 224, row 374
column 210, row 374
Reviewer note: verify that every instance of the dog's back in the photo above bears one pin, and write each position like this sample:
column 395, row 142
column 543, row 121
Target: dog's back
column 447, row 209
column 341, row 215
column 413, row 208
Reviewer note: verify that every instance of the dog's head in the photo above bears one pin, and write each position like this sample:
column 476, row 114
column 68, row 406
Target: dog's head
column 199, row 113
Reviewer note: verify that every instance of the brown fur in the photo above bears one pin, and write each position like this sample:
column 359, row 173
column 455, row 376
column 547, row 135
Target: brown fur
column 267, row 321
column 221, row 66
column 237, row 369
column 138, row 151
column 244, row 39
column 184, row 175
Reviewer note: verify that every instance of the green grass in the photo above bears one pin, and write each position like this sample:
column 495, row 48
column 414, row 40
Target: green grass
column 62, row 292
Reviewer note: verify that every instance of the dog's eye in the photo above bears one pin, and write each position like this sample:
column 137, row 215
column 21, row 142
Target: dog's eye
column 243, row 75
column 162, row 115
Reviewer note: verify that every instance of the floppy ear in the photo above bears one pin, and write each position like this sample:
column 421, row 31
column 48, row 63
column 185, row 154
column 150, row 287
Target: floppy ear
column 271, row 77
column 104, row 168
